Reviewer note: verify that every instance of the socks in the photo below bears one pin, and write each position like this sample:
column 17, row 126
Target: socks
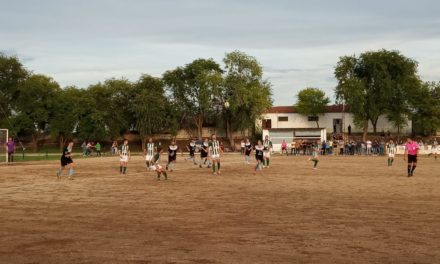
column 389, row 162
column 158, row 175
column 409, row 169
column 267, row 162
column 148, row 164
column 120, row 169
column 124, row 170
column 315, row 162
column 71, row 171
column 60, row 170
column 218, row 165
column 213, row 167
column 165, row 174
column 413, row 168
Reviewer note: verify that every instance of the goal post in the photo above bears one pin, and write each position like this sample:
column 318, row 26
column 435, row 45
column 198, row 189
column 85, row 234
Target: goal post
column 4, row 135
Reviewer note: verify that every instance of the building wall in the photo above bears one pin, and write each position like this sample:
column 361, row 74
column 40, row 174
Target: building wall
column 326, row 121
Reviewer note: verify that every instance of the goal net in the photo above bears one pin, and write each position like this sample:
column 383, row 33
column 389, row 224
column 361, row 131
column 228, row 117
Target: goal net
column 3, row 151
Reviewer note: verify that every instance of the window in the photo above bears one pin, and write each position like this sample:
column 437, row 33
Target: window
column 283, row 118
column 267, row 123
column 313, row 118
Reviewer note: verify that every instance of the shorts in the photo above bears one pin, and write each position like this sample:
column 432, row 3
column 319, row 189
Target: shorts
column 123, row 158
column 171, row 158
column 216, row 156
column 247, row 153
column 149, row 157
column 391, row 155
column 412, row 158
column 66, row 161
column 259, row 158
column 266, row 154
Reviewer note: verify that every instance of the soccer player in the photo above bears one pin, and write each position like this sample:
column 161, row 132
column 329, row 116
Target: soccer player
column 434, row 148
column 259, row 156
column 66, row 161
column 10, row 148
column 392, row 150
column 267, row 144
column 98, row 149
column 157, row 167
column 215, row 152
column 315, row 155
column 172, row 155
column 124, row 157
column 204, row 150
column 191, row 147
column 247, row 150
column 149, row 151
column 411, row 148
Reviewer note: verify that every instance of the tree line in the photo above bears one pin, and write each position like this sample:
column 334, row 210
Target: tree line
column 379, row 83
column 202, row 92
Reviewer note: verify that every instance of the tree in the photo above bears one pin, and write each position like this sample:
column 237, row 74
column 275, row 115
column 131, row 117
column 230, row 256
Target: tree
column 150, row 106
column 312, row 102
column 426, row 108
column 66, row 112
column 33, row 106
column 376, row 83
column 245, row 91
column 192, row 88
column 12, row 75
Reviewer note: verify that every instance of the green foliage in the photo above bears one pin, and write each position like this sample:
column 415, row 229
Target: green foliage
column 376, row 83
column 150, row 106
column 312, row 102
column 247, row 93
column 12, row 75
column 426, row 108
column 193, row 89
column 37, row 95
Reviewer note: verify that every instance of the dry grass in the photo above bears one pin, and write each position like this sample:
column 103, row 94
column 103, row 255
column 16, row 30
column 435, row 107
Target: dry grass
column 350, row 210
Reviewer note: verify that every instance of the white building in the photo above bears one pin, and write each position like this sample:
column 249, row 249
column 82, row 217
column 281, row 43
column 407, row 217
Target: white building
column 284, row 123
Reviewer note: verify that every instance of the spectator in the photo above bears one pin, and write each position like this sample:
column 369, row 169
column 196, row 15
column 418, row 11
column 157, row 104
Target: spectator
column 98, row 149
column 10, row 148
column 284, row 147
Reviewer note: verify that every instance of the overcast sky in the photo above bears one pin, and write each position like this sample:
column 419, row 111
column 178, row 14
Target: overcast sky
column 297, row 42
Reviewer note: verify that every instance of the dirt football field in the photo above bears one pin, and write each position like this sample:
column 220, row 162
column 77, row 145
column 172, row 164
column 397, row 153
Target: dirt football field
column 350, row 210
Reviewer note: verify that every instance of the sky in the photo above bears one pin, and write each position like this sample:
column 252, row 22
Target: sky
column 297, row 42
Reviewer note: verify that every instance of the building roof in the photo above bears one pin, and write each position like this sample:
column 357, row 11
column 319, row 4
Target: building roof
column 291, row 109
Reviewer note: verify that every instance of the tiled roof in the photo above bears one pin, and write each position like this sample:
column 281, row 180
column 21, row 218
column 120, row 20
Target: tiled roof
column 291, row 109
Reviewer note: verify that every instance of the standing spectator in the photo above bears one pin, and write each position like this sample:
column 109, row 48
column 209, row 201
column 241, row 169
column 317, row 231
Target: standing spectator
column 369, row 145
column 10, row 148
column 89, row 148
column 349, row 129
column 98, row 149
column 324, row 147
column 293, row 147
column 84, row 148
column 242, row 147
column 284, row 147
column 114, row 147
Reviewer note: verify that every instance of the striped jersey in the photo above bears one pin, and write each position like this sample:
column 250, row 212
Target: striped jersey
column 150, row 148
column 267, row 144
column 392, row 148
column 124, row 150
column 214, row 147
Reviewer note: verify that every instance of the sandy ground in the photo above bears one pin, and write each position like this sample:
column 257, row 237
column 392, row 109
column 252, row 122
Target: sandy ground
column 350, row 210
